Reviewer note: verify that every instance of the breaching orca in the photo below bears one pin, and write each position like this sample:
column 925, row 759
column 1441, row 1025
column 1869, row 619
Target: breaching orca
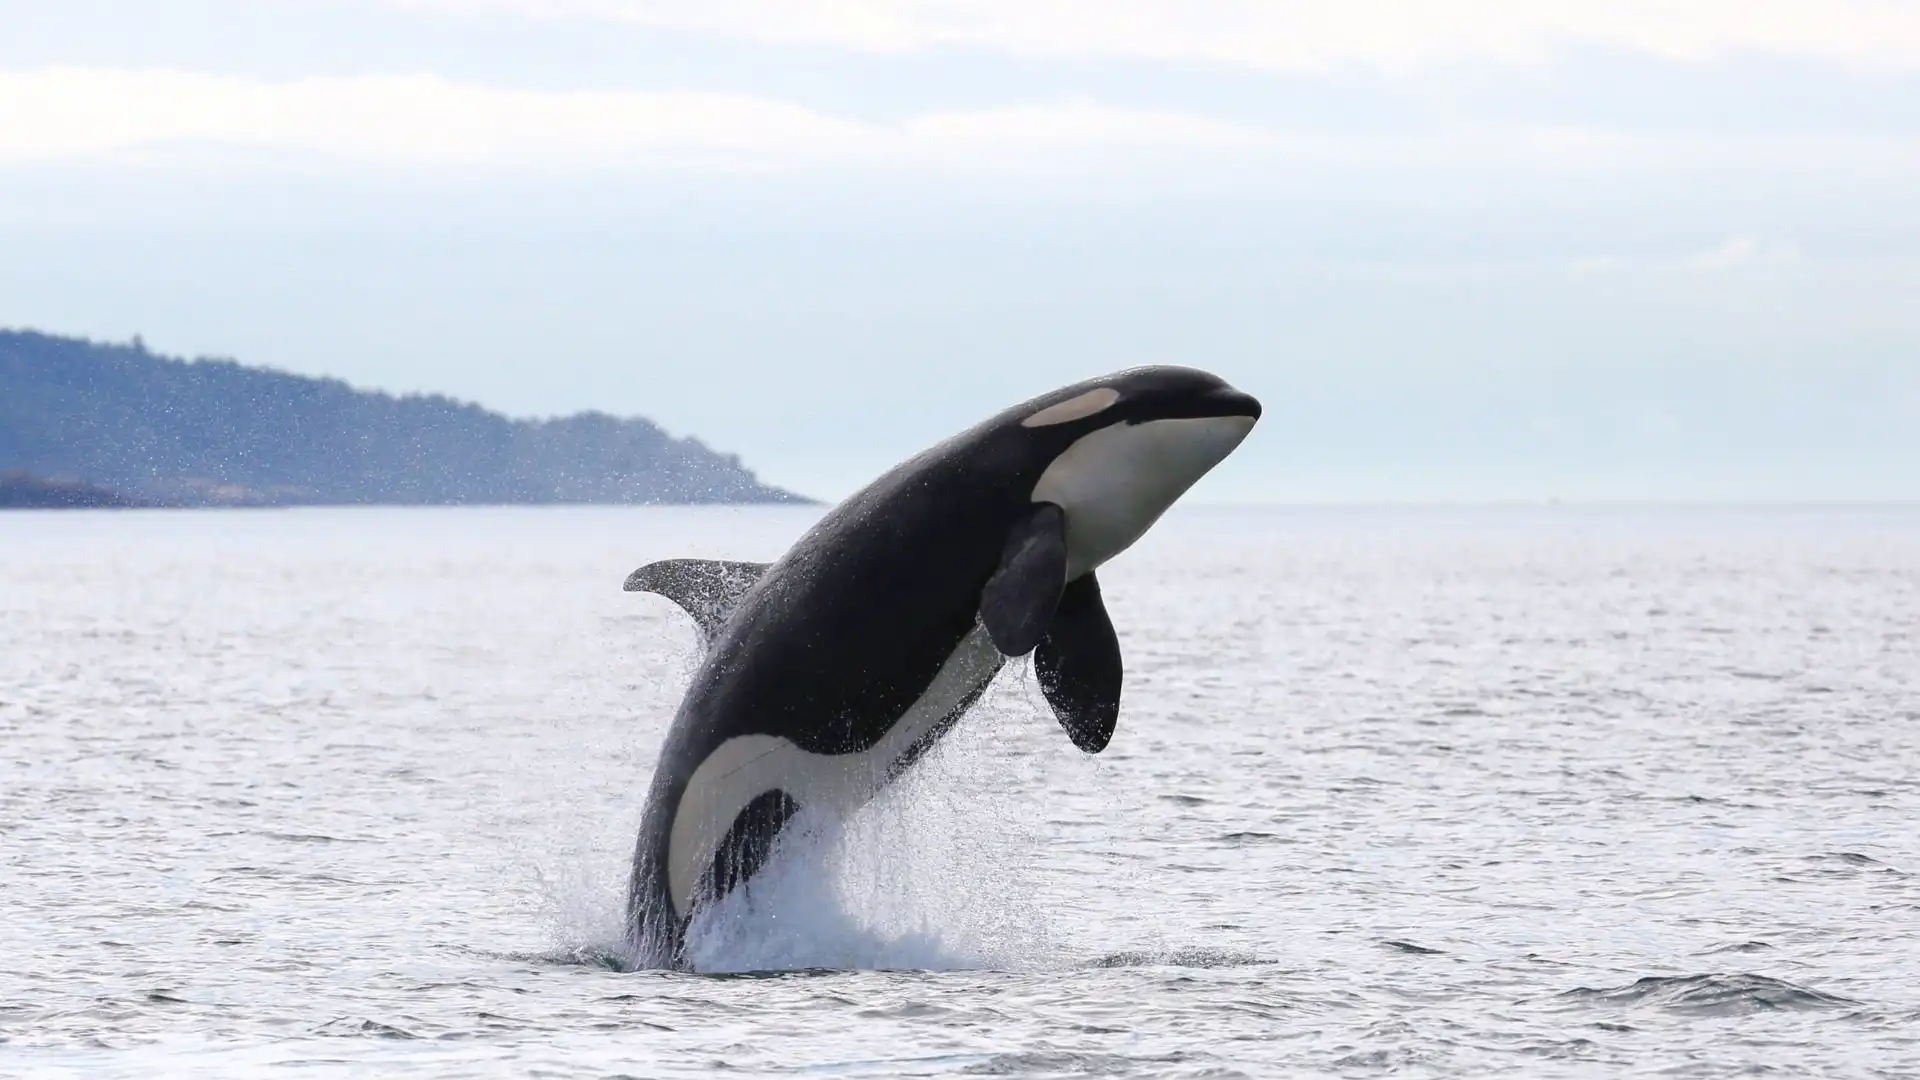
column 831, row 671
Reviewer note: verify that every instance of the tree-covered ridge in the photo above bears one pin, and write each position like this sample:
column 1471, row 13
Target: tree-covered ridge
column 156, row 429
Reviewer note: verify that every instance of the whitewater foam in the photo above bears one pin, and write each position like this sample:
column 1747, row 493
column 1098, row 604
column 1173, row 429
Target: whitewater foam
column 931, row 875
column 936, row 873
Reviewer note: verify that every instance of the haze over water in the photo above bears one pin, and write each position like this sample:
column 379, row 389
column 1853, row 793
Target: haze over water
column 1548, row 792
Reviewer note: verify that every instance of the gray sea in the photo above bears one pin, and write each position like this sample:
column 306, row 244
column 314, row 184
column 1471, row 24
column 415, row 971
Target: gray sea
column 1528, row 792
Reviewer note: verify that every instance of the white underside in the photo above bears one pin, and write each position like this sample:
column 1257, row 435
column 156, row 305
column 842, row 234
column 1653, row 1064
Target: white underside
column 1114, row 483
column 743, row 768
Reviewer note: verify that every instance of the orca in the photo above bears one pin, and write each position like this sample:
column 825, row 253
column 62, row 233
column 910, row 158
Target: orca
column 831, row 671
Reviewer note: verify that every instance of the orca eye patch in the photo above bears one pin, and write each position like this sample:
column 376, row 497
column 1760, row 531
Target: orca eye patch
column 1074, row 408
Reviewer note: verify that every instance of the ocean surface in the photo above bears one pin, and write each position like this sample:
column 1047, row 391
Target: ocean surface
column 1530, row 792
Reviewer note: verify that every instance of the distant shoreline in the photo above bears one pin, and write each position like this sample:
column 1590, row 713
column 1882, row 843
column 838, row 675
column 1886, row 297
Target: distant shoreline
column 90, row 424
column 24, row 491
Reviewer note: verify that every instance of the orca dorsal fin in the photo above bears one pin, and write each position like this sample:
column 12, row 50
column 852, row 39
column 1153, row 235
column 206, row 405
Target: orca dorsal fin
column 707, row 589
column 1078, row 665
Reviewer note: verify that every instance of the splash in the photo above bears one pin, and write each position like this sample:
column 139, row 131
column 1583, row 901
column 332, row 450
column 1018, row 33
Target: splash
column 942, row 871
column 799, row 914
column 935, row 874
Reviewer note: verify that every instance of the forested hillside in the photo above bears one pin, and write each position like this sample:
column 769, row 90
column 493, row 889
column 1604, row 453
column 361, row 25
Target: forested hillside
column 156, row 430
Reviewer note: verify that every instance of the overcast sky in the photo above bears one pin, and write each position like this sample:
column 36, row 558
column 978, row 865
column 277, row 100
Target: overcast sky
column 1463, row 249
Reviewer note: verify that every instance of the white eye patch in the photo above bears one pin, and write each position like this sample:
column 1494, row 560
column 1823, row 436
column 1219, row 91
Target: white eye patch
column 1073, row 408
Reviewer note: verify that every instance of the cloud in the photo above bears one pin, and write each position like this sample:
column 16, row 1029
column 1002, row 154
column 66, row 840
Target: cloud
column 1299, row 35
column 1597, row 265
column 1080, row 123
column 67, row 113
column 1738, row 252
column 64, row 113
column 87, row 114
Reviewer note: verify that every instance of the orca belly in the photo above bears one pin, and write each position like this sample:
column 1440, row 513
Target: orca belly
column 750, row 785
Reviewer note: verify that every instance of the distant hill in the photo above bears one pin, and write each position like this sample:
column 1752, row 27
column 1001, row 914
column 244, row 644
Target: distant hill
column 129, row 426
column 24, row 491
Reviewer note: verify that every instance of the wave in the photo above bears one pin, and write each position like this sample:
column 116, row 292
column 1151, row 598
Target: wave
column 1187, row 958
column 1713, row 994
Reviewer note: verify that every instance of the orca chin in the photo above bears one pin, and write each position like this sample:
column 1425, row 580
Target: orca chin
column 831, row 671
column 1114, row 483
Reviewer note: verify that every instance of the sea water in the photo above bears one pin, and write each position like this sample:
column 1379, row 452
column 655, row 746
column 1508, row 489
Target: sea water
column 1529, row 792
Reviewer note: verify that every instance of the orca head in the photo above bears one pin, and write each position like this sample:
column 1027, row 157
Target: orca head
column 1129, row 446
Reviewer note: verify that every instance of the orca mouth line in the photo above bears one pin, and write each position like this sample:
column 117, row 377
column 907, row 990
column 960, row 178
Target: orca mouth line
column 1219, row 404
column 1234, row 403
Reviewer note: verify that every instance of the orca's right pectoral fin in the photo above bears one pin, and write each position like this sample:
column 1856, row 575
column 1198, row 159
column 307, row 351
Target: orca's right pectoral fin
column 707, row 589
column 1078, row 665
column 1018, row 603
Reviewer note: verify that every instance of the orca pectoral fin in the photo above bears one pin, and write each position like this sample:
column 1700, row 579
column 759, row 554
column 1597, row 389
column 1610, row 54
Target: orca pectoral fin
column 1020, row 598
column 1078, row 665
column 707, row 589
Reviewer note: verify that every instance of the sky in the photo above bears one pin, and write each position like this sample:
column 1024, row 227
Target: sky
column 1463, row 250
